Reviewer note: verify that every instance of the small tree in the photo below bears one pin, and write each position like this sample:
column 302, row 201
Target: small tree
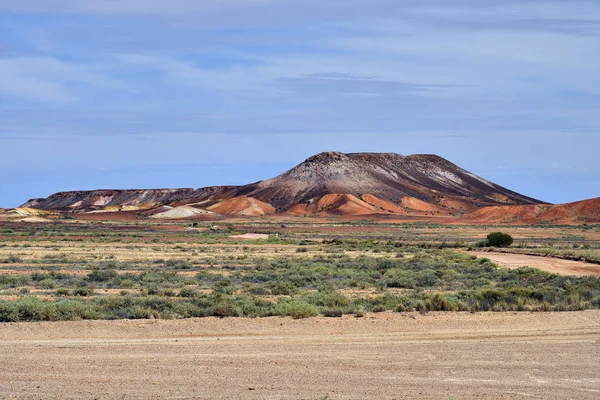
column 499, row 239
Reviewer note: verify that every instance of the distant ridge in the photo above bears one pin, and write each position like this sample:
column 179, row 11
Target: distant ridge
column 326, row 183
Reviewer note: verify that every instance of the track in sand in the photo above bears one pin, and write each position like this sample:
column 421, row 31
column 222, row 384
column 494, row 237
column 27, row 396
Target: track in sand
column 548, row 264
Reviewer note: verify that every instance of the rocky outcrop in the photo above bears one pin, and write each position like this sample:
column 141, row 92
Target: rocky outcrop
column 388, row 177
column 102, row 198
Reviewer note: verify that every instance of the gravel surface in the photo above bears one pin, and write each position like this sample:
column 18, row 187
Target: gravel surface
column 386, row 355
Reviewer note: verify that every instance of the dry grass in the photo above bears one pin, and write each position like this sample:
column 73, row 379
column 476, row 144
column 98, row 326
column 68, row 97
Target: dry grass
column 131, row 249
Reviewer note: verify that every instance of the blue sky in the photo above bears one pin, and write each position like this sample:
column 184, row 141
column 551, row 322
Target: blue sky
column 189, row 93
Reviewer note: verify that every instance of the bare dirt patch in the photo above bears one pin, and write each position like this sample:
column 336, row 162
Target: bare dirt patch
column 549, row 264
column 250, row 236
column 387, row 355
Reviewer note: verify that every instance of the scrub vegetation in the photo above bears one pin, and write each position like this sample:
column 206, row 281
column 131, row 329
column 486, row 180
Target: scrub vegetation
column 143, row 272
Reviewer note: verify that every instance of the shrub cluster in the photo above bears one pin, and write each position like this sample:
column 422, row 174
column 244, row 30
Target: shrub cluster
column 418, row 280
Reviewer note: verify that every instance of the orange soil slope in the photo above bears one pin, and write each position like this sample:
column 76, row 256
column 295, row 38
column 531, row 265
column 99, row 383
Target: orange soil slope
column 383, row 205
column 347, row 204
column 242, row 205
column 586, row 211
column 415, row 204
column 340, row 204
column 580, row 211
column 457, row 205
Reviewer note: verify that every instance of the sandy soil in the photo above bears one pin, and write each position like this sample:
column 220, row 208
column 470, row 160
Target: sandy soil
column 387, row 355
column 242, row 205
column 550, row 264
column 179, row 212
column 250, row 236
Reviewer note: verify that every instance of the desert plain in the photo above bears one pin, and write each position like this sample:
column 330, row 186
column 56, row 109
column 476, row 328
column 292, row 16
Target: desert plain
column 302, row 308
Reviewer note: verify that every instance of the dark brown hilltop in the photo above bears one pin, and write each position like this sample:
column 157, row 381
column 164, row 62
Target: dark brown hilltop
column 380, row 182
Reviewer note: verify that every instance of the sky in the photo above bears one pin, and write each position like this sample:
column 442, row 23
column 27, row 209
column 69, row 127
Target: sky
column 190, row 93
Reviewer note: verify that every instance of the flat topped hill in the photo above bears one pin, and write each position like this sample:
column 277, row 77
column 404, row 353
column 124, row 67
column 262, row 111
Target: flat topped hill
column 326, row 183
column 387, row 176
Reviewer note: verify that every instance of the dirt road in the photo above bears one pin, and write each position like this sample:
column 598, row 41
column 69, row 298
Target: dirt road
column 549, row 264
column 387, row 355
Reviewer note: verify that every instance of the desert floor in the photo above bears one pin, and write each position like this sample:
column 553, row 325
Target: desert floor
column 385, row 355
column 548, row 264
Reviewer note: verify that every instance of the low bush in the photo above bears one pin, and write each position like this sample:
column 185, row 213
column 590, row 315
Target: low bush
column 188, row 292
column 423, row 280
column 48, row 284
column 226, row 309
column 296, row 309
column 83, row 291
column 499, row 239
column 34, row 309
column 332, row 312
column 101, row 275
column 178, row 264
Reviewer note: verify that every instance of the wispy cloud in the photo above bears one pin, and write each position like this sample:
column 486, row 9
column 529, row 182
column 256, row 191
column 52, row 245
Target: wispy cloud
column 331, row 72
column 52, row 80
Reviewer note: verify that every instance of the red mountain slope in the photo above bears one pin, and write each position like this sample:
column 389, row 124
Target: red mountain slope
column 586, row 211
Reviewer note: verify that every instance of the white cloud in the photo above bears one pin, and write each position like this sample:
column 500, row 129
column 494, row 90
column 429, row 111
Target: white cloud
column 50, row 79
column 32, row 79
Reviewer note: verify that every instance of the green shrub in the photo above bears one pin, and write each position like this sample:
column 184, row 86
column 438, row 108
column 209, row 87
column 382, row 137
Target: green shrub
column 35, row 309
column 259, row 291
column 12, row 259
column 499, row 239
column 178, row 264
column 48, row 284
column 127, row 284
column 397, row 278
column 438, row 302
column 285, row 288
column 83, row 291
column 379, row 308
column 327, row 299
column 13, row 281
column 226, row 309
column 420, row 307
column 101, row 275
column 296, row 309
column 332, row 312
column 188, row 292
column 9, row 311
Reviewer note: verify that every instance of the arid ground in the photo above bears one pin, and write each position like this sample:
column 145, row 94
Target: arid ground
column 309, row 309
column 552, row 265
column 385, row 355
